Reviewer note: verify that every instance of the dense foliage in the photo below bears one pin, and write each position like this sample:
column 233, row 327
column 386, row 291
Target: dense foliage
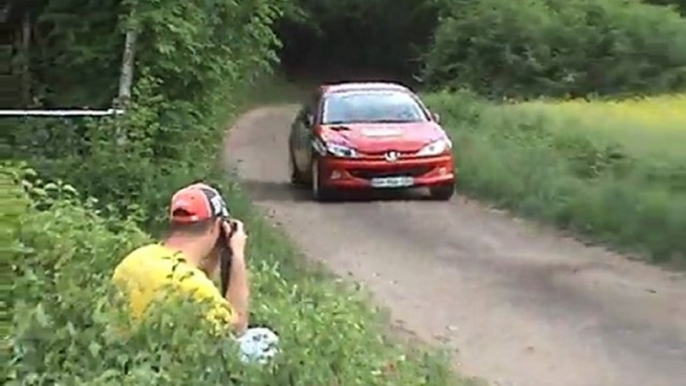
column 75, row 54
column 357, row 39
column 194, row 60
column 679, row 5
column 496, row 47
column 558, row 48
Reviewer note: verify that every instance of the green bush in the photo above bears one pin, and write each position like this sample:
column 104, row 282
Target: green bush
column 194, row 61
column 66, row 320
column 679, row 5
column 558, row 48
column 580, row 175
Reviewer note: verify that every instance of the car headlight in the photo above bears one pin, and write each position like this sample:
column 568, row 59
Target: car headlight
column 341, row 150
column 334, row 149
column 436, row 148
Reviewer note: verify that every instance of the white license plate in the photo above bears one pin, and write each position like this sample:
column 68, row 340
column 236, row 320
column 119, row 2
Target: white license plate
column 392, row 182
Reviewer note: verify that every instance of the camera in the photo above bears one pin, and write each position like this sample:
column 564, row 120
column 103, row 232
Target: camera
column 225, row 255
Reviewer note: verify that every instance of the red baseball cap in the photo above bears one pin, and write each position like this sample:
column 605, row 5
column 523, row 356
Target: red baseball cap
column 197, row 202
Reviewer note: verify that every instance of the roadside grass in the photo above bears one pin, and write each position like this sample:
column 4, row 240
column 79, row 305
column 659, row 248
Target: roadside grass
column 64, row 333
column 612, row 171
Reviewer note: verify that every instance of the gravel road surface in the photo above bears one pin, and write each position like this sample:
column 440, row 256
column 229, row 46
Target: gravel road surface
column 517, row 303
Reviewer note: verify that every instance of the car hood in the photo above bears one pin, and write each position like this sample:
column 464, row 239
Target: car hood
column 382, row 137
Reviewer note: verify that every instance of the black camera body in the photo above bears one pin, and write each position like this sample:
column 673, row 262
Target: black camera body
column 225, row 257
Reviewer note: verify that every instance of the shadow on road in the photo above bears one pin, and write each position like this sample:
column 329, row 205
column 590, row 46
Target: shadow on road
column 381, row 195
column 282, row 191
column 279, row 191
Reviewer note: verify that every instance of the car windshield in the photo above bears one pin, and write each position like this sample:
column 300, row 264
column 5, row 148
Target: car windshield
column 371, row 106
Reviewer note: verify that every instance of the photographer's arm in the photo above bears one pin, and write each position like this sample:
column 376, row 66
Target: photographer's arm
column 238, row 292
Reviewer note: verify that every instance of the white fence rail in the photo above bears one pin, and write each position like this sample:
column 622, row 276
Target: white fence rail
column 60, row 113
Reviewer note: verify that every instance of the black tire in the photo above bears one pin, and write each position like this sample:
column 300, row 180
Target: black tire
column 442, row 192
column 319, row 193
column 294, row 176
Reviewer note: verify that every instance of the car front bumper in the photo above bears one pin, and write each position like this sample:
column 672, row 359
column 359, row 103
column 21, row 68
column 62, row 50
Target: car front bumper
column 346, row 173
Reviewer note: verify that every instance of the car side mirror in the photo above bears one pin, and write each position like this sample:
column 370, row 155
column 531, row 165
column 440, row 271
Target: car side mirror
column 436, row 117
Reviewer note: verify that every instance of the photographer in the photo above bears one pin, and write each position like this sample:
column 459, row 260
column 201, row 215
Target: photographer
column 202, row 239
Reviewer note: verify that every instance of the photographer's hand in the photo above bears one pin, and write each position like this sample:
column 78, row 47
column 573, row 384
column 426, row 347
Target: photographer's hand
column 238, row 238
column 238, row 292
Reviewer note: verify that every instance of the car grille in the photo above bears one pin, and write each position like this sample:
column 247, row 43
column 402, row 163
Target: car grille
column 381, row 156
column 373, row 173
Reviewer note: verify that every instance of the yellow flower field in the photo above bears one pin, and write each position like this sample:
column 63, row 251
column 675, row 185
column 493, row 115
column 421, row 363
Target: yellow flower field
column 655, row 126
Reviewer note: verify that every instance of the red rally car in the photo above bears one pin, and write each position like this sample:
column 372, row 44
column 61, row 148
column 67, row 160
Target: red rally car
column 369, row 135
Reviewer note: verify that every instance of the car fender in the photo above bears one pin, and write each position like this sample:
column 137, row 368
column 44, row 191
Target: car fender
column 318, row 146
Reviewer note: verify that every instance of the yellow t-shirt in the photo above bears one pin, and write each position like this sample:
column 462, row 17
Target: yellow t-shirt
column 146, row 272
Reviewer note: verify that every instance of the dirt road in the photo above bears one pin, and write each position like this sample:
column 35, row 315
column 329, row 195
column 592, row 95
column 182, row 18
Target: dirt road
column 519, row 305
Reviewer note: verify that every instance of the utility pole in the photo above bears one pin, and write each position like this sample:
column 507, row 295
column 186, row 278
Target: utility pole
column 126, row 76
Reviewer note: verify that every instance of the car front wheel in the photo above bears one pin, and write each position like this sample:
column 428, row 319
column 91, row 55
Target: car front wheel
column 294, row 174
column 442, row 192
